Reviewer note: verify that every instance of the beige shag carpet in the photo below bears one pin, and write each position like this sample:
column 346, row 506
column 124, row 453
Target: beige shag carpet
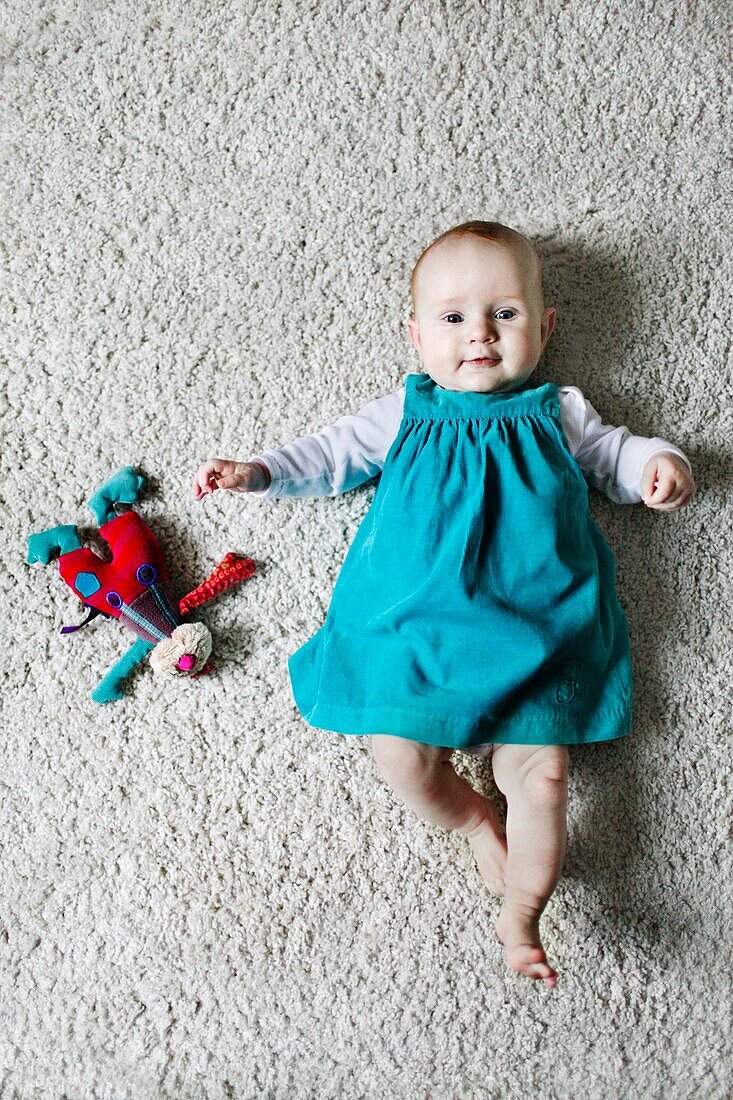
column 209, row 215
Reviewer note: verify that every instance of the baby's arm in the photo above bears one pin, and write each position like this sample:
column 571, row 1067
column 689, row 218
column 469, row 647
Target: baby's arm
column 346, row 454
column 612, row 459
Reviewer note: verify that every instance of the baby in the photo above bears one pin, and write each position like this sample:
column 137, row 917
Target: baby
column 476, row 609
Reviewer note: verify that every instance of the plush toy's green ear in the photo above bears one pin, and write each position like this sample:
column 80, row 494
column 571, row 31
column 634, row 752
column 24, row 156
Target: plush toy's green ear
column 123, row 488
column 45, row 545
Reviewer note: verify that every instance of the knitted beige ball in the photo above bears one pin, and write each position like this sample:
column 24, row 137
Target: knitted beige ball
column 184, row 653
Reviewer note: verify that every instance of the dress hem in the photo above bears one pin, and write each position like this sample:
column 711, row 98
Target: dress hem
column 443, row 731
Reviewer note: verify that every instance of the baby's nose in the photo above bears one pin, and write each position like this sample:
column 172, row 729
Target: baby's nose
column 186, row 662
column 484, row 330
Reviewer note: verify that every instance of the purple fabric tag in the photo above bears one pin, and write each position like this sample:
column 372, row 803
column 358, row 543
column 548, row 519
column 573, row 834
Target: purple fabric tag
column 93, row 612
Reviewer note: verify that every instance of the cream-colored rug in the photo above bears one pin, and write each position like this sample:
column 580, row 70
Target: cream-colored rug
column 210, row 213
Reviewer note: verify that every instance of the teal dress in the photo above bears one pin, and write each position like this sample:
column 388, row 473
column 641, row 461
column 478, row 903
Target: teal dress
column 477, row 602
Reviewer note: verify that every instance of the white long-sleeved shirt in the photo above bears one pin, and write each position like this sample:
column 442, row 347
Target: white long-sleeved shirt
column 353, row 449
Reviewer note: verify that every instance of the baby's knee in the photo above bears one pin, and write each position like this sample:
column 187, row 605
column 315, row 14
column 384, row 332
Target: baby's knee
column 540, row 774
column 404, row 762
column 546, row 778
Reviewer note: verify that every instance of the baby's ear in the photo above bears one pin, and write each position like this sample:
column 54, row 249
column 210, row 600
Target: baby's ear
column 548, row 325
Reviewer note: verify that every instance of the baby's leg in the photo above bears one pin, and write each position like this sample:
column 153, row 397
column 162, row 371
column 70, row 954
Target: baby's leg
column 534, row 780
column 424, row 778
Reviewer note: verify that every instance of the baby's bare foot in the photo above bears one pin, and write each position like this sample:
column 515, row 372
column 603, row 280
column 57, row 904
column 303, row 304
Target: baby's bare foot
column 488, row 843
column 519, row 931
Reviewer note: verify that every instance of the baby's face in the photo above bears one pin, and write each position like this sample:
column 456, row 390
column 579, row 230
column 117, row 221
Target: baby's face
column 477, row 299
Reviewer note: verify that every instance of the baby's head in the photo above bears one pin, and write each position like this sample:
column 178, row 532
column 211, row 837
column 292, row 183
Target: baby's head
column 477, row 293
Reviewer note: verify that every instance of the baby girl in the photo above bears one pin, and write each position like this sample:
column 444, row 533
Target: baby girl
column 476, row 609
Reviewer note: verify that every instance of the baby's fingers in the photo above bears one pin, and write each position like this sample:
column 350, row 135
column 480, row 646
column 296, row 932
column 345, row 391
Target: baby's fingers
column 663, row 490
column 678, row 496
column 229, row 482
column 670, row 505
column 206, row 478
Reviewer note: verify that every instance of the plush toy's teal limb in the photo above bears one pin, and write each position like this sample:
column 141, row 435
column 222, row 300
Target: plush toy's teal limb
column 124, row 487
column 44, row 545
column 110, row 688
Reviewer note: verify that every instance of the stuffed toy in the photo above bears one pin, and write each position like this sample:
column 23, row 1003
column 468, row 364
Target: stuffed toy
column 134, row 587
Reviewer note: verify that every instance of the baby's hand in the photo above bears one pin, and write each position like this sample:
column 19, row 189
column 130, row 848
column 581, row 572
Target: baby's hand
column 673, row 481
column 221, row 473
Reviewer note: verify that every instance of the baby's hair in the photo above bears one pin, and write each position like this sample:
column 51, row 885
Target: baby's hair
column 490, row 231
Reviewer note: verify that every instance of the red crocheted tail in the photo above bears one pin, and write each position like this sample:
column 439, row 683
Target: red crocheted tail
column 232, row 570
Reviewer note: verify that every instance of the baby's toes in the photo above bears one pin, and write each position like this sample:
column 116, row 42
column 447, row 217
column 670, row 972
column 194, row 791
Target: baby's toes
column 544, row 971
column 531, row 961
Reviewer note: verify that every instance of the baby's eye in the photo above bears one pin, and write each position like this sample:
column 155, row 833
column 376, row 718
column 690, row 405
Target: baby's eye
column 449, row 315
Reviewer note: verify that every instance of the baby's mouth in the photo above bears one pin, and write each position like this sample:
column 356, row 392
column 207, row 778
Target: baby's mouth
column 482, row 362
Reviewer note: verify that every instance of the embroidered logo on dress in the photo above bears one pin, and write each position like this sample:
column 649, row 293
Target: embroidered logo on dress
column 570, row 682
